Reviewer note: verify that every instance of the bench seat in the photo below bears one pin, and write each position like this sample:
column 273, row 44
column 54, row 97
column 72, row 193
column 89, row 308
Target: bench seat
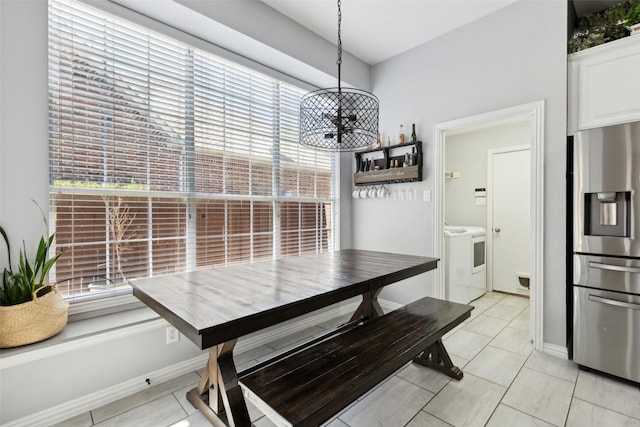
column 309, row 387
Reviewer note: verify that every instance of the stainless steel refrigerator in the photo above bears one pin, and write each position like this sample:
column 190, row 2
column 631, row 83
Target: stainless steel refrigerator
column 606, row 250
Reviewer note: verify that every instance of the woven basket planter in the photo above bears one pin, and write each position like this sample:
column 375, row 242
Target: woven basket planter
column 33, row 321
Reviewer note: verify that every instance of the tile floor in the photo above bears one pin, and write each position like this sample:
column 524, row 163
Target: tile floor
column 505, row 384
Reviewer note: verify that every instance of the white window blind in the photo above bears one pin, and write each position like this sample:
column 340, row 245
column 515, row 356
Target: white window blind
column 165, row 158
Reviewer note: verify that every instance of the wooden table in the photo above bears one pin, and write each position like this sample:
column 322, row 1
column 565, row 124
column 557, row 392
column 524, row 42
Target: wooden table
column 215, row 307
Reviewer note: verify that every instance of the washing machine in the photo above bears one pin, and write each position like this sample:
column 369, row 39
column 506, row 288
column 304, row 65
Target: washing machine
column 465, row 263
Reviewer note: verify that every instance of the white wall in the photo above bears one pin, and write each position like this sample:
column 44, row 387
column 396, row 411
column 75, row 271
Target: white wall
column 514, row 56
column 466, row 153
column 24, row 173
column 79, row 374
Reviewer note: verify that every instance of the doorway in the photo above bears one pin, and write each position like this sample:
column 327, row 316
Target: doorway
column 534, row 114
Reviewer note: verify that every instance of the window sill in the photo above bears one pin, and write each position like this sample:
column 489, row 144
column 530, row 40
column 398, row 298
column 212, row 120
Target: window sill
column 102, row 305
column 84, row 330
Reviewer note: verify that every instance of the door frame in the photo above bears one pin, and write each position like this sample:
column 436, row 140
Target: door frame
column 490, row 186
column 534, row 111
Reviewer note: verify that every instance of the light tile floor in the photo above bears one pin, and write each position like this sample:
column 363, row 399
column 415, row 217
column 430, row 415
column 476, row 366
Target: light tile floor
column 505, row 384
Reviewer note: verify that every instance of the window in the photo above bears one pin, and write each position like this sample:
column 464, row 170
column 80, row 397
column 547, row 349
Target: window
column 165, row 158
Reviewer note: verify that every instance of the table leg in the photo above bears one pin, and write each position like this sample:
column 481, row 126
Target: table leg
column 369, row 307
column 218, row 395
column 436, row 357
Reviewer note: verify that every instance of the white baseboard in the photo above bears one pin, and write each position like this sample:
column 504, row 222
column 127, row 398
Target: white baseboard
column 99, row 398
column 556, row 350
column 85, row 403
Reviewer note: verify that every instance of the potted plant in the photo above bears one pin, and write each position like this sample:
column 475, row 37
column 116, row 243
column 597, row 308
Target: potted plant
column 31, row 309
column 633, row 19
column 605, row 26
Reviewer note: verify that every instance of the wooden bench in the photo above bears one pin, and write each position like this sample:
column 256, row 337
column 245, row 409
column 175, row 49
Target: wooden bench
column 309, row 387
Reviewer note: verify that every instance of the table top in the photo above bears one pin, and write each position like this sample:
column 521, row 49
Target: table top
column 220, row 304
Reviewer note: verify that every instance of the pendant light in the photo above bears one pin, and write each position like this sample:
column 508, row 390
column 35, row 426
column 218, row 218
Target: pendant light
column 338, row 119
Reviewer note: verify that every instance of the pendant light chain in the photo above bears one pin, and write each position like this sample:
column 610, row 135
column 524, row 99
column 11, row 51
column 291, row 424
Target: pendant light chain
column 339, row 62
column 339, row 124
column 338, row 119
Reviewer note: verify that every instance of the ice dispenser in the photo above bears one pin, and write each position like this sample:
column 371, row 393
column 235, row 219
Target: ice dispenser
column 608, row 214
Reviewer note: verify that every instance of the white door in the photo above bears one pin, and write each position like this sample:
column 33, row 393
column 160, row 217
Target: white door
column 509, row 204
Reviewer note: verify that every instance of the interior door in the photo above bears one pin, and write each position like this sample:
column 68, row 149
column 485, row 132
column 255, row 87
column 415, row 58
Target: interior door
column 509, row 188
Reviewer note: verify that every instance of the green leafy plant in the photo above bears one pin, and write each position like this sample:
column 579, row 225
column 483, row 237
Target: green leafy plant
column 602, row 27
column 29, row 280
column 633, row 15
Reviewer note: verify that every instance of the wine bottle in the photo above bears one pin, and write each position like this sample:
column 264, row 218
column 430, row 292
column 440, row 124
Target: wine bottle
column 414, row 138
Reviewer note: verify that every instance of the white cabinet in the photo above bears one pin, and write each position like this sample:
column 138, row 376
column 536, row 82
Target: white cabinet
column 604, row 85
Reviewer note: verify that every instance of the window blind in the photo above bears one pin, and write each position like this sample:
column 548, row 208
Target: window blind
column 166, row 158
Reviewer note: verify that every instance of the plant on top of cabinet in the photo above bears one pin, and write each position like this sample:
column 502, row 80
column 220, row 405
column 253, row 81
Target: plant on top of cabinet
column 601, row 27
column 633, row 19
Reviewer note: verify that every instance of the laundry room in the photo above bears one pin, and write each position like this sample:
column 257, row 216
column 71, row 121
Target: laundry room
column 487, row 209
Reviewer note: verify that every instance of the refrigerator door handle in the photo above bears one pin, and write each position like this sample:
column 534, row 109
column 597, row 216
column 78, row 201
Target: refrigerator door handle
column 622, row 268
column 623, row 304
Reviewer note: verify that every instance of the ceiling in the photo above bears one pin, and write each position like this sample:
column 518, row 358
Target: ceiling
column 376, row 30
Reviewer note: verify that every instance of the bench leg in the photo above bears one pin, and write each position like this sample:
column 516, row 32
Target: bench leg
column 218, row 395
column 436, row 357
column 369, row 307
